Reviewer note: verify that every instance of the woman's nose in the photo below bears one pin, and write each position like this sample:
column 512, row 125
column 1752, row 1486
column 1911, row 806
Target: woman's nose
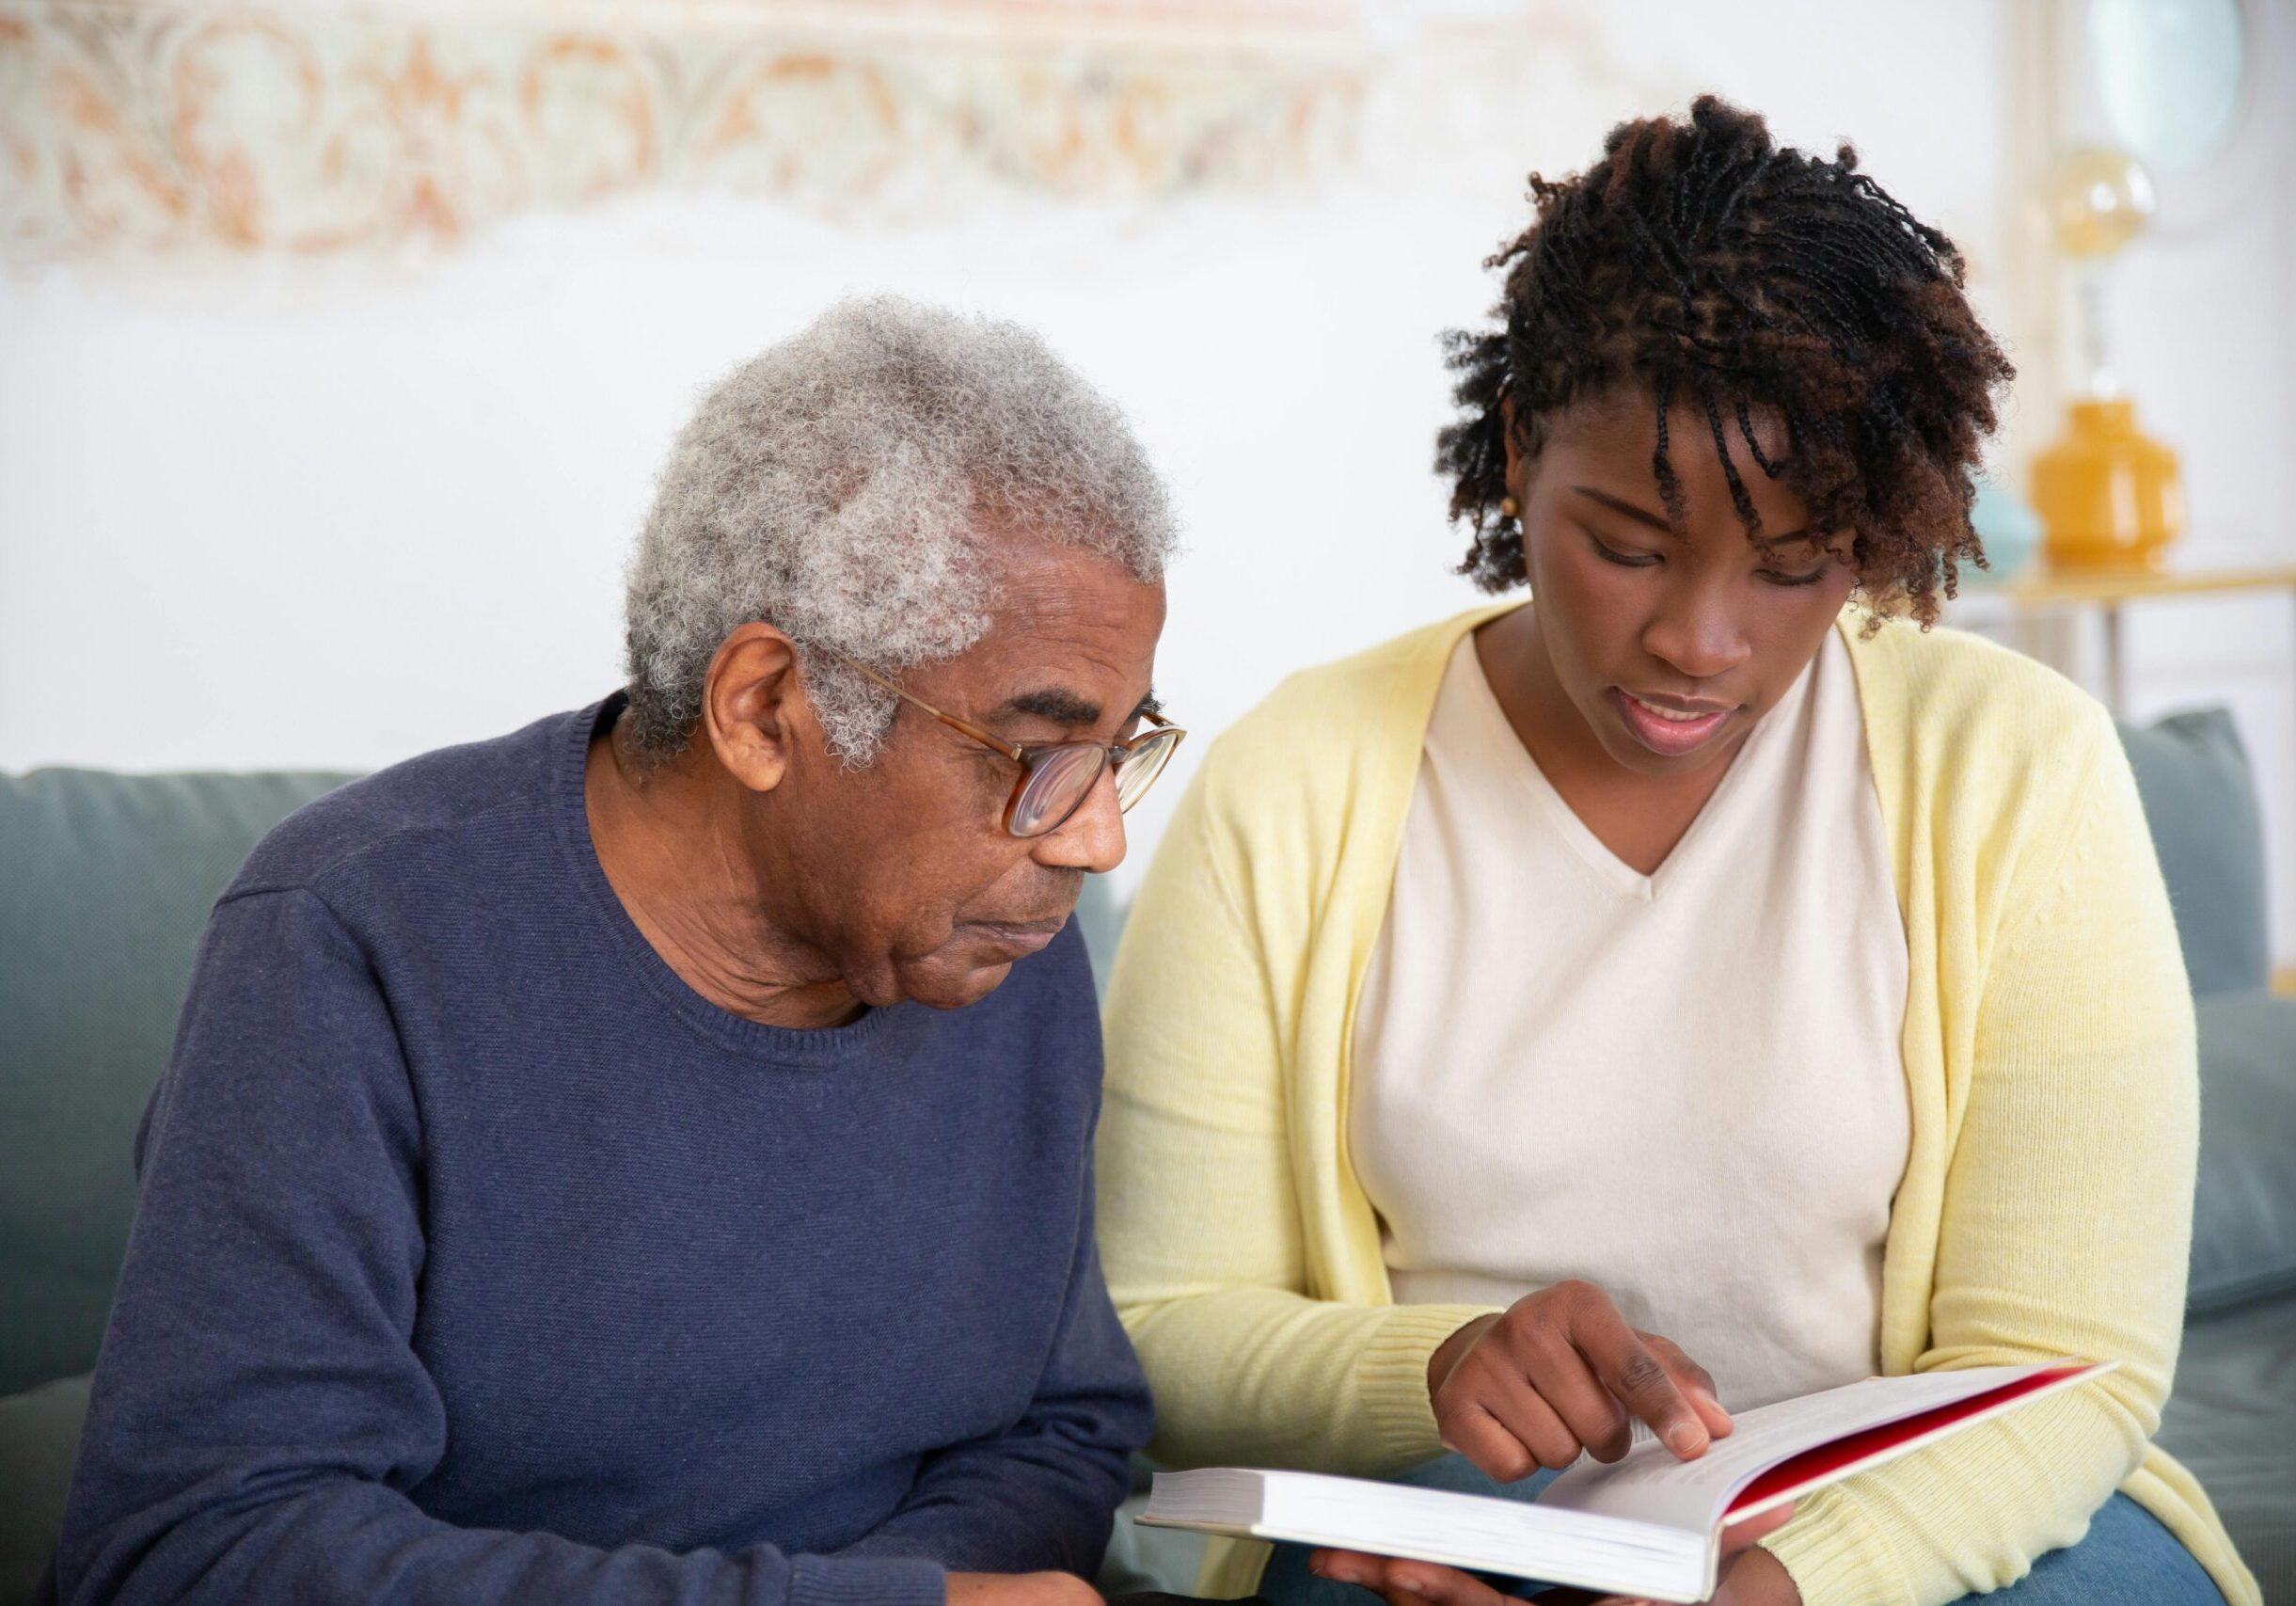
column 1697, row 633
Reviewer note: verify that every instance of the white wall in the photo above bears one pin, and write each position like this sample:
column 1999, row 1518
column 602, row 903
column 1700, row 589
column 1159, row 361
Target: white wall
column 2206, row 331
column 270, row 514
column 2201, row 316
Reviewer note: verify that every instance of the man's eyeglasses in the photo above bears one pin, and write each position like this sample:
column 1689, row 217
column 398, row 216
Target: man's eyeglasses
column 1058, row 776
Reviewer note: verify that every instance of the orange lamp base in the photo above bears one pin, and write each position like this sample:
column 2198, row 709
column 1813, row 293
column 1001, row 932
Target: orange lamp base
column 2110, row 496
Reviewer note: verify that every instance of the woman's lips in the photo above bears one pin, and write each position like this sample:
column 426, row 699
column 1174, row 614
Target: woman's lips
column 1667, row 737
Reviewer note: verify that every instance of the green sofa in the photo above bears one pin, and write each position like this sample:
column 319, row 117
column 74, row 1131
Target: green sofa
column 105, row 880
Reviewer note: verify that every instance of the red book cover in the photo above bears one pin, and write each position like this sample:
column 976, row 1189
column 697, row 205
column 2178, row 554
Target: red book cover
column 1812, row 1466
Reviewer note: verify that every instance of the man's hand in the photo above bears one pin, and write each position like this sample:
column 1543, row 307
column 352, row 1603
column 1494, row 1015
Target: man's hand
column 1558, row 1372
column 1749, row 1576
column 1021, row 1589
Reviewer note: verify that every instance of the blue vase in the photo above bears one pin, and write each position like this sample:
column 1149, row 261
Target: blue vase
column 2011, row 532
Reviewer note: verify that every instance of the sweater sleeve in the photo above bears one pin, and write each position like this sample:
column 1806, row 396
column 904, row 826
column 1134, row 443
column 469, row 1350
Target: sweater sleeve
column 2067, row 1221
column 1199, row 1220
column 259, row 1413
column 1041, row 1495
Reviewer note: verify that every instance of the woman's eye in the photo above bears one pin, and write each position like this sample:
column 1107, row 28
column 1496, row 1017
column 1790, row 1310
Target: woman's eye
column 1624, row 560
column 1777, row 576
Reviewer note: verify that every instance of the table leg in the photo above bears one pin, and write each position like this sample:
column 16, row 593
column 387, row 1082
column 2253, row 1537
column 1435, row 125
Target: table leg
column 2116, row 666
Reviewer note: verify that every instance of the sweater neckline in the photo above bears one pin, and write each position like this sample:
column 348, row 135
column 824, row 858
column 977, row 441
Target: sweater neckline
column 1754, row 765
column 783, row 1045
column 1392, row 729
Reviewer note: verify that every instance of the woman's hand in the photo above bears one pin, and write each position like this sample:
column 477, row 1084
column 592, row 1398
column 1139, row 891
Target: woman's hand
column 1748, row 1577
column 1756, row 1578
column 1558, row 1372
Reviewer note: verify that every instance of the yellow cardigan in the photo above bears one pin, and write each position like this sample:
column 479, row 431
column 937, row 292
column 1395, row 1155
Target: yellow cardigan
column 2045, row 1207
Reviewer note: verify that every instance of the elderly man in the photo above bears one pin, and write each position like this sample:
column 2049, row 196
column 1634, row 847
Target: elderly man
column 646, row 1157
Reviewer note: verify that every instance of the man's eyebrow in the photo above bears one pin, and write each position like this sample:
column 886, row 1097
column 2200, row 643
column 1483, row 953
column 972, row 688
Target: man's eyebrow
column 1643, row 515
column 1056, row 704
column 1061, row 706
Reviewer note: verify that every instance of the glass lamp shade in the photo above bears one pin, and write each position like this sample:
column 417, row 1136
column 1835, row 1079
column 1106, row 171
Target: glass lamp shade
column 2100, row 199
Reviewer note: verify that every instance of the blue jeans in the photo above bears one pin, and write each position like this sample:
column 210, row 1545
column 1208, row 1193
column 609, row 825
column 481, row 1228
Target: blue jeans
column 2127, row 1558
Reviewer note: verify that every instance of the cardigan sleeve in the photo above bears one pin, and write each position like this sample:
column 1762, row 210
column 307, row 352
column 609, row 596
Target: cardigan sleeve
column 1200, row 1225
column 2066, row 1226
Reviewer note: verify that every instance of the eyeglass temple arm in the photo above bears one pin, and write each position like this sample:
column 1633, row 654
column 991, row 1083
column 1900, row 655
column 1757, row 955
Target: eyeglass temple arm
column 965, row 727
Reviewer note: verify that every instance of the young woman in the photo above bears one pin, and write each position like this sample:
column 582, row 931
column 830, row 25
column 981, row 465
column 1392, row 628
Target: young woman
column 1695, row 986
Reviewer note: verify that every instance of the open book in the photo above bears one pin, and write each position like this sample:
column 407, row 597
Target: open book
column 1647, row 1525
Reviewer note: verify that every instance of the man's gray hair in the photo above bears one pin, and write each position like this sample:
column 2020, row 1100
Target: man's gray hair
column 843, row 487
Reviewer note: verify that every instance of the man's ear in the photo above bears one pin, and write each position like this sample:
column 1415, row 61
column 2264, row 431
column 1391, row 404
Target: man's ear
column 753, row 707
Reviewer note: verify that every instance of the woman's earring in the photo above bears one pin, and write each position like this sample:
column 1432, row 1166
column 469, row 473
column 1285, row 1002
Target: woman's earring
column 1508, row 509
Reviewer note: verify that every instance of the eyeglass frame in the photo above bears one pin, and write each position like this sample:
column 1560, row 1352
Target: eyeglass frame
column 1113, row 753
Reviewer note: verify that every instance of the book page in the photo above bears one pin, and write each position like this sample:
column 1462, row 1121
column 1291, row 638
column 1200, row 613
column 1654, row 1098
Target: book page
column 1478, row 1532
column 1650, row 1484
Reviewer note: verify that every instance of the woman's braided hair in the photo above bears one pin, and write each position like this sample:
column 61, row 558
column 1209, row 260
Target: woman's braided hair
column 1705, row 263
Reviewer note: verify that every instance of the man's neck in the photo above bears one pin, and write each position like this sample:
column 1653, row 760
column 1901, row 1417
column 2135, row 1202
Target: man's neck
column 669, row 837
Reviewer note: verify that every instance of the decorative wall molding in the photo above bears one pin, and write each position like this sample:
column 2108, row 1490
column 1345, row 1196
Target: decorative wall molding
column 175, row 127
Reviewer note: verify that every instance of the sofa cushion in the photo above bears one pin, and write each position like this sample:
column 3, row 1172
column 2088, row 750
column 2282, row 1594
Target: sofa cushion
column 2245, row 1209
column 2200, row 800
column 2231, row 1420
column 105, row 881
column 40, row 1437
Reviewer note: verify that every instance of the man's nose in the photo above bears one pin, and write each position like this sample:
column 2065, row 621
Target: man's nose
column 1092, row 838
column 1697, row 632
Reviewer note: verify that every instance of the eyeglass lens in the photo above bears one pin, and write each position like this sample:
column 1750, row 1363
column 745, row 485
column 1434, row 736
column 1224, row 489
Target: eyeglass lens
column 1056, row 785
column 1139, row 766
column 1064, row 775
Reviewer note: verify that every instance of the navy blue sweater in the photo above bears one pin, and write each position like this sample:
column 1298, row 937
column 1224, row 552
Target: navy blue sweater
column 477, row 1258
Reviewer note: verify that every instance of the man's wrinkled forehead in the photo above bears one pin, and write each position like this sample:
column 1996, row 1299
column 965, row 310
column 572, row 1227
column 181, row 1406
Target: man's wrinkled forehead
column 1072, row 661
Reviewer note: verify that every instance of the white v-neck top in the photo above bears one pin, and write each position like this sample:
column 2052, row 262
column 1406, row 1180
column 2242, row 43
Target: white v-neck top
column 1684, row 1088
